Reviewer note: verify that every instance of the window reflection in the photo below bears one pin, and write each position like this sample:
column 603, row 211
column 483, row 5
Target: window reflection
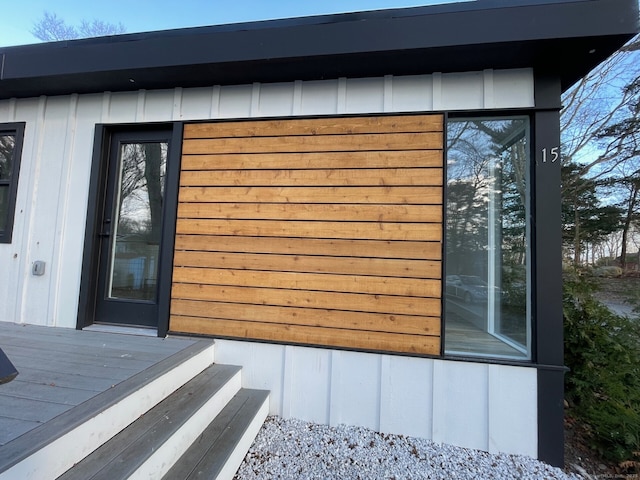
column 487, row 238
column 7, row 147
column 135, row 245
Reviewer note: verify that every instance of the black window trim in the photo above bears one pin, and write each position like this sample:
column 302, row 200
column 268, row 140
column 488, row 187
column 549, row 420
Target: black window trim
column 531, row 358
column 16, row 129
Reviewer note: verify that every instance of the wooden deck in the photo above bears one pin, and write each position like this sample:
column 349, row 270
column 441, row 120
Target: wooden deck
column 462, row 337
column 60, row 368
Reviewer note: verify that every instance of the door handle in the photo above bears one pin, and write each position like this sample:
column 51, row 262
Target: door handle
column 106, row 222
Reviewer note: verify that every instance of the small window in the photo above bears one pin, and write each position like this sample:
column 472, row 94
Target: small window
column 487, row 281
column 10, row 150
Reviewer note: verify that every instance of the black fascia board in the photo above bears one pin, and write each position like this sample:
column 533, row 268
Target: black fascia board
column 569, row 36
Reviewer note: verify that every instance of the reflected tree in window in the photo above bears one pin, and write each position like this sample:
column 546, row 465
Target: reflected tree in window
column 7, row 147
column 135, row 251
column 486, row 231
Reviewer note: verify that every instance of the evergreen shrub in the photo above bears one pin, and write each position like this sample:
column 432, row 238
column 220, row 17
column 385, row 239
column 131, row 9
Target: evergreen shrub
column 602, row 351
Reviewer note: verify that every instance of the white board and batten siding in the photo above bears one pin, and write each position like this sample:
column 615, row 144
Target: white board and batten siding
column 424, row 397
column 473, row 405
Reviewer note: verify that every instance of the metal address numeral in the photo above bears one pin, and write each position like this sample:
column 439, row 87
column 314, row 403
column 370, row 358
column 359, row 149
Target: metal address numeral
column 554, row 153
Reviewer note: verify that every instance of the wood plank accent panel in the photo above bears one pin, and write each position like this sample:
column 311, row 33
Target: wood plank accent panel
column 312, row 231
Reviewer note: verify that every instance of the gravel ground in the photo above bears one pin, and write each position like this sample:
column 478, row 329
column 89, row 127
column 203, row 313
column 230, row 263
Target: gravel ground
column 300, row 450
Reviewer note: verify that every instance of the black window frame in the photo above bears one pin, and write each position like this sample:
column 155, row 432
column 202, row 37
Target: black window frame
column 16, row 129
column 531, row 356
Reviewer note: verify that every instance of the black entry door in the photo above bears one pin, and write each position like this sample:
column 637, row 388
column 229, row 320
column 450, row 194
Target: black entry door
column 129, row 266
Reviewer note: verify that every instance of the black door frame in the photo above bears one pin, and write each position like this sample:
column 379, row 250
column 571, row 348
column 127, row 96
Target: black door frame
column 96, row 207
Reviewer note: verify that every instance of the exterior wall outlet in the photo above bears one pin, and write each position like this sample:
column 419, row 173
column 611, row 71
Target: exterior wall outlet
column 38, row 268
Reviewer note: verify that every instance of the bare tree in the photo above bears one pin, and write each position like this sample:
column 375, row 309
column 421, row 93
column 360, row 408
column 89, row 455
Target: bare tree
column 594, row 103
column 52, row 28
column 597, row 138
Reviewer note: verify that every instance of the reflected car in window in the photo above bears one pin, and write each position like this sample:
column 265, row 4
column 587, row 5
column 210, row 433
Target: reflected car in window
column 468, row 288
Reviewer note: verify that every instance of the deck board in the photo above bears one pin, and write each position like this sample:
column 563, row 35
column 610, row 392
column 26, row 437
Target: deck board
column 66, row 395
column 61, row 368
column 109, row 368
column 61, row 380
column 462, row 337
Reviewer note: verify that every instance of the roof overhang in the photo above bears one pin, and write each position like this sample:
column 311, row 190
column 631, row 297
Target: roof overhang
column 567, row 37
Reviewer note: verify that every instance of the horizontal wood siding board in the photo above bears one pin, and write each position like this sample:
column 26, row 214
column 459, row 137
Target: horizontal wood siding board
column 315, row 126
column 312, row 231
column 309, row 263
column 321, row 160
column 331, row 337
column 313, row 178
column 312, row 212
column 315, row 143
column 300, row 229
column 332, row 195
column 424, row 250
column 407, row 287
column 355, row 302
column 393, row 323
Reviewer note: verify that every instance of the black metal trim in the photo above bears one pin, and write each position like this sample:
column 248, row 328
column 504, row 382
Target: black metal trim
column 442, row 38
column 446, row 358
column 169, row 228
column 497, row 114
column 443, row 249
column 17, row 130
column 95, row 209
column 551, row 416
column 104, row 135
column 547, row 255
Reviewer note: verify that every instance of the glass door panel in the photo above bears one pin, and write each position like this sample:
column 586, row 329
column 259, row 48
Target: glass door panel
column 135, row 242
column 129, row 244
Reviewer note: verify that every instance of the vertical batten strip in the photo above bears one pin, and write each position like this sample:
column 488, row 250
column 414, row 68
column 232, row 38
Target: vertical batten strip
column 106, row 107
column 296, row 108
column 288, row 372
column 176, row 113
column 437, row 90
column 140, row 102
column 488, row 83
column 11, row 111
column 63, row 202
column 334, row 387
column 214, row 110
column 34, row 158
column 255, row 100
column 387, row 101
column 341, row 102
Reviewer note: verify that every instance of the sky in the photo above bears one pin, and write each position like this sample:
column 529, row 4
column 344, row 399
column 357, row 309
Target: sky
column 148, row 15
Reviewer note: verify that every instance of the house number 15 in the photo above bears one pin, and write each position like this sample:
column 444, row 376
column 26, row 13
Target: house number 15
column 550, row 154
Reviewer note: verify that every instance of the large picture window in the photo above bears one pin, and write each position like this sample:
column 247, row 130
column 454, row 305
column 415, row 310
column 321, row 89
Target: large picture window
column 10, row 150
column 487, row 269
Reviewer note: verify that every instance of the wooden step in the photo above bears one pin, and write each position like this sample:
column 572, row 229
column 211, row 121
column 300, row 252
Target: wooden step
column 152, row 444
column 219, row 450
column 51, row 449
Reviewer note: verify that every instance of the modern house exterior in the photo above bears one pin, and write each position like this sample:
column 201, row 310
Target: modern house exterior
column 363, row 210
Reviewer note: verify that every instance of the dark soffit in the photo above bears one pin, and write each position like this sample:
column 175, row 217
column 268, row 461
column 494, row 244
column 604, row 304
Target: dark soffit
column 565, row 37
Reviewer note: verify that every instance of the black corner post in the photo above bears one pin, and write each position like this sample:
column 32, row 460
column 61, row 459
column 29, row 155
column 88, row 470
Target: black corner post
column 169, row 227
column 547, row 250
column 89, row 275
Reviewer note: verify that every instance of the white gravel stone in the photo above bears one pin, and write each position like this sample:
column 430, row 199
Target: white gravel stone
column 294, row 449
